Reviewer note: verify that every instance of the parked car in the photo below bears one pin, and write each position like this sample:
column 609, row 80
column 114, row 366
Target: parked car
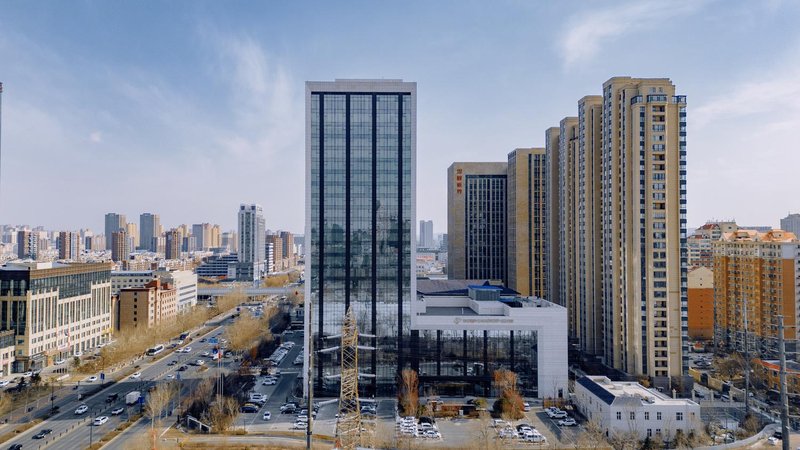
column 4, row 383
column 568, row 422
column 91, row 379
column 300, row 425
column 249, row 408
column 59, row 362
column 508, row 432
column 559, row 415
column 136, row 375
column 269, row 381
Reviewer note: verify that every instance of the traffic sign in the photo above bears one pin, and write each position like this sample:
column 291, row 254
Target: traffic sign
column 102, row 376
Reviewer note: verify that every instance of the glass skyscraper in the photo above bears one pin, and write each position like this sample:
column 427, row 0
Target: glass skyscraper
column 360, row 217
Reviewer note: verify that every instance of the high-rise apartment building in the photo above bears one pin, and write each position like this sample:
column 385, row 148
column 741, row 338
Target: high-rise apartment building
column 288, row 244
column 114, row 222
column 120, row 246
column 277, row 251
column 230, row 240
column 251, row 233
column 147, row 306
column 527, row 221
column 215, row 237
column 756, row 275
column 149, row 227
column 476, row 221
column 618, row 243
column 360, row 224
column 172, row 244
column 133, row 235
column 425, row 234
column 644, row 226
column 202, row 233
column 791, row 223
column 27, row 245
column 699, row 245
column 69, row 245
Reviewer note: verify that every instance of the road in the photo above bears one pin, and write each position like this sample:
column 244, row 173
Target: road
column 76, row 431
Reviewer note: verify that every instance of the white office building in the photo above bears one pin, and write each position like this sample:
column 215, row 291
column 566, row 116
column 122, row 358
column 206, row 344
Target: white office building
column 621, row 407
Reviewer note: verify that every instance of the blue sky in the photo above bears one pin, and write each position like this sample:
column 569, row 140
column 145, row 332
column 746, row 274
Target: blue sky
column 188, row 108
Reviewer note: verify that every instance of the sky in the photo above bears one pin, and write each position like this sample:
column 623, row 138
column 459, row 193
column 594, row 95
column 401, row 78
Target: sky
column 189, row 108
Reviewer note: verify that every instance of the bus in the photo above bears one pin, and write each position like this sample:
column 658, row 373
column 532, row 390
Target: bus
column 155, row 350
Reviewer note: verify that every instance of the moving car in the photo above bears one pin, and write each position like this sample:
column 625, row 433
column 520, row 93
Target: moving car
column 100, row 420
column 15, row 447
column 81, row 409
column 249, row 408
column 183, row 368
column 173, row 362
column 111, row 398
column 269, row 381
column 42, row 434
column 266, row 415
column 91, row 379
column 117, row 411
column 136, row 375
column 4, row 383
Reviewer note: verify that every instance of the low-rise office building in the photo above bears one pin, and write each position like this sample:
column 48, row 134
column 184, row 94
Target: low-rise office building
column 622, row 407
column 464, row 331
column 184, row 281
column 54, row 310
column 147, row 306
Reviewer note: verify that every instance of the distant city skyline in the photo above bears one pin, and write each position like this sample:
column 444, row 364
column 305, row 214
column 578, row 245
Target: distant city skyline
column 208, row 104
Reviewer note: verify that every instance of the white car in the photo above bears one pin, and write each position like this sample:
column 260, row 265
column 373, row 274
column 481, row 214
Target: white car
column 205, row 354
column 773, row 440
column 4, row 383
column 432, row 434
column 526, row 406
column 200, row 362
column 91, row 379
column 186, row 349
column 559, row 415
column 269, row 381
column 100, row 420
column 266, row 415
column 27, row 374
column 300, row 425
column 568, row 422
column 171, row 376
column 78, row 354
column 508, row 433
column 136, row 375
column 117, row 411
column 59, row 362
column 81, row 409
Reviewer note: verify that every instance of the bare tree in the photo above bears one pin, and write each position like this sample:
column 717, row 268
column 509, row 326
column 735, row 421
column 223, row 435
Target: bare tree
column 246, row 332
column 510, row 404
column 222, row 414
column 409, row 392
column 592, row 437
column 157, row 401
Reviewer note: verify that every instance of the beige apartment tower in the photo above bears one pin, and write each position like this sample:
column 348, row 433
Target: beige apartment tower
column 643, row 188
column 527, row 265
column 616, row 236
column 476, row 221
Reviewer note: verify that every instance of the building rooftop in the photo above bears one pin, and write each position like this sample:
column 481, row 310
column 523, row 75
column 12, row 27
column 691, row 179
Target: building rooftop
column 744, row 235
column 620, row 393
column 456, row 287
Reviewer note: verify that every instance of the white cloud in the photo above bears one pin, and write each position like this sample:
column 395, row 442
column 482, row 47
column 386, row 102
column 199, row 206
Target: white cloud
column 96, row 137
column 585, row 33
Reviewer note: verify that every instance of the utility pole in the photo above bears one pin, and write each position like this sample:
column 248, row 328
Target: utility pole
column 784, row 397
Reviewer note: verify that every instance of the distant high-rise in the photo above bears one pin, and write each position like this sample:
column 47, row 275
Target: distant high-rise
column 791, row 223
column 476, row 221
column 425, row 234
column 215, row 239
column 360, row 224
column 133, row 235
column 699, row 245
column 69, row 244
column 277, row 250
column 114, row 222
column 526, row 218
column 172, row 244
column 27, row 245
column 202, row 233
column 149, row 227
column 120, row 249
column 288, row 244
column 251, row 234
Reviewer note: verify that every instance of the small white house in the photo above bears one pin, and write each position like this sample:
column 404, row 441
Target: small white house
column 620, row 407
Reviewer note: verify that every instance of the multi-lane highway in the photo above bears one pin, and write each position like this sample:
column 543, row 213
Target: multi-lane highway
column 72, row 431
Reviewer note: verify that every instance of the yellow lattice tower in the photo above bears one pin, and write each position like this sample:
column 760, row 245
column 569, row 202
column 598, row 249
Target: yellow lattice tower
column 348, row 429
